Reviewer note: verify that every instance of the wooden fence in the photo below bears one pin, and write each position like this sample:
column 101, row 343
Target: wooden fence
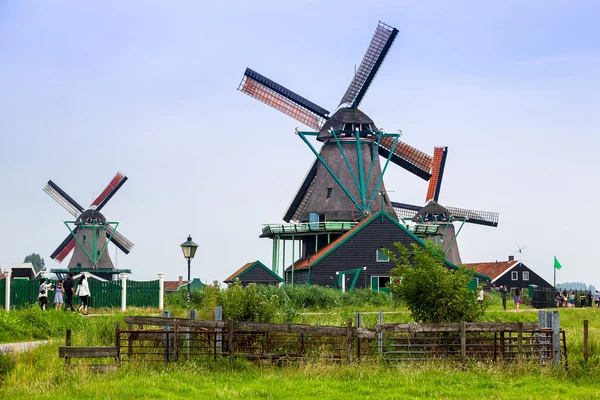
column 170, row 339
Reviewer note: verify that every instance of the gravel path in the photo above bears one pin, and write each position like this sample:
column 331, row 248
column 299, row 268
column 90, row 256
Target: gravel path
column 22, row 346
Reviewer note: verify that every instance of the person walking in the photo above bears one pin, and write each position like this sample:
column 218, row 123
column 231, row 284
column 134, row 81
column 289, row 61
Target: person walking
column 69, row 291
column 45, row 287
column 58, row 295
column 503, row 292
column 83, row 291
column 571, row 300
column 517, row 297
column 597, row 298
column 557, row 299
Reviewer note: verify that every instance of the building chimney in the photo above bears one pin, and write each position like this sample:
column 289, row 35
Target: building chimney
column 180, row 279
column 511, row 258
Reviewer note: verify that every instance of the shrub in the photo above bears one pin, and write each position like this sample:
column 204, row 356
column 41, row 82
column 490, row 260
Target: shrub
column 431, row 291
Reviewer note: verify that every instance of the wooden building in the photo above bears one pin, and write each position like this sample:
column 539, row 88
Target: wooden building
column 512, row 273
column 355, row 259
column 255, row 272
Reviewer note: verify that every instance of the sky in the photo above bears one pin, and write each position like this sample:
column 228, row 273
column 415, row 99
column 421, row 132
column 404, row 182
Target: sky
column 149, row 88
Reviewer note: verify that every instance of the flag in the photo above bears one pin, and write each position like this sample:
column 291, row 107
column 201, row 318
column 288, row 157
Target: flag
column 557, row 264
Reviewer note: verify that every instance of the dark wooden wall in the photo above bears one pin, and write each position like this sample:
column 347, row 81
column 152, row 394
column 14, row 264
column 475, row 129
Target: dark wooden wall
column 534, row 279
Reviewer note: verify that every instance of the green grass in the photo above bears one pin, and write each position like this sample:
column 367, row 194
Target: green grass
column 41, row 374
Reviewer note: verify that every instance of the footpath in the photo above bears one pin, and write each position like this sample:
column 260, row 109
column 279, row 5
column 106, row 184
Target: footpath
column 21, row 346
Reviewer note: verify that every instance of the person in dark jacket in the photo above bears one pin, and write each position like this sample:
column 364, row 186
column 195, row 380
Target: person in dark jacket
column 503, row 292
column 69, row 288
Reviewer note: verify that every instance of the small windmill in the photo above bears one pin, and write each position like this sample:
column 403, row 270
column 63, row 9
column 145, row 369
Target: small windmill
column 90, row 232
column 520, row 251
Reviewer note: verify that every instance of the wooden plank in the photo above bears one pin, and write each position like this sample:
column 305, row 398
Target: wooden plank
column 118, row 340
column 585, row 340
column 86, row 352
column 348, row 340
column 463, row 342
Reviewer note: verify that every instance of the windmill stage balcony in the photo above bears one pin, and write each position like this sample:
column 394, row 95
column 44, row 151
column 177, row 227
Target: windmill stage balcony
column 306, row 228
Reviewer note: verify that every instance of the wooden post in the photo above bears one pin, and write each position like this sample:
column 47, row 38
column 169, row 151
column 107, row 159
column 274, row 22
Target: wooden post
column 349, row 340
column 358, row 325
column 7, row 290
column 67, row 343
column 585, row 340
column 230, row 336
column 502, row 344
column 166, row 314
column 118, row 340
column 175, row 344
column 380, row 334
column 463, row 341
column 555, row 339
column 218, row 331
column 520, row 340
column 129, row 342
column 187, row 335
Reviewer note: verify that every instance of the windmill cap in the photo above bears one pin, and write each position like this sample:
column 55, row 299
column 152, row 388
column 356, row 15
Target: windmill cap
column 341, row 118
column 90, row 215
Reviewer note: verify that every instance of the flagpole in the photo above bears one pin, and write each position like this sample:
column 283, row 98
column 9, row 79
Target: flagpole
column 554, row 268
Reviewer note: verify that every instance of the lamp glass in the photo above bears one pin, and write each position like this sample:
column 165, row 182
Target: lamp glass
column 189, row 248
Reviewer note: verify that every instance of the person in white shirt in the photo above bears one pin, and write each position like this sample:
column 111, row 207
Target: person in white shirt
column 45, row 286
column 83, row 291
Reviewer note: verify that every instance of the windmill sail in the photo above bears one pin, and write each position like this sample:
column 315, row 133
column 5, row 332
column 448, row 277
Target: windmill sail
column 378, row 48
column 110, row 190
column 63, row 199
column 407, row 157
column 435, row 183
column 283, row 99
column 472, row 216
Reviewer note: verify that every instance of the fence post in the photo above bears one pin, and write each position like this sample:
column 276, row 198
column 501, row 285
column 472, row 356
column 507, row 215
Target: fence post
column 218, row 334
column 585, row 340
column 166, row 314
column 358, row 325
column 175, row 344
column 161, row 291
column 520, row 339
column 187, row 335
column 348, row 340
column 123, row 277
column 380, row 334
column 118, row 340
column 230, row 328
column 542, row 318
column 7, row 294
column 463, row 341
column 68, row 344
column 555, row 338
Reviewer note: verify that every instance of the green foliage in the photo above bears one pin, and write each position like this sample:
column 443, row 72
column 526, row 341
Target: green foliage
column 36, row 260
column 270, row 303
column 7, row 364
column 431, row 291
column 575, row 286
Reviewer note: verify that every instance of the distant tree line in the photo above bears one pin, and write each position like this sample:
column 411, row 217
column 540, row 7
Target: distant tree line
column 576, row 286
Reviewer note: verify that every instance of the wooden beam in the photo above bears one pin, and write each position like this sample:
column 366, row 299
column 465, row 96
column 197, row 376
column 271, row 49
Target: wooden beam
column 87, row 352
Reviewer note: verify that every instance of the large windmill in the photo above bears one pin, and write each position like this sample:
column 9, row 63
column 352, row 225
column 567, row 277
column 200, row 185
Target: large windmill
column 89, row 232
column 345, row 182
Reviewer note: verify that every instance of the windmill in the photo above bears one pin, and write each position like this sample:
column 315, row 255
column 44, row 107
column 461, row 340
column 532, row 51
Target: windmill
column 345, row 182
column 89, row 232
column 435, row 214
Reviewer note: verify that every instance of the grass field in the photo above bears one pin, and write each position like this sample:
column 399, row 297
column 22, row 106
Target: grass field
column 40, row 373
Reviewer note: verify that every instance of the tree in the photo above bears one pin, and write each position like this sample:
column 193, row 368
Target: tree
column 432, row 291
column 37, row 261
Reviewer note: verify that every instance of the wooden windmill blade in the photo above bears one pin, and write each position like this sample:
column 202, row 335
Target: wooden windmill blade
column 382, row 40
column 118, row 239
column 63, row 249
column 62, row 198
column 283, row 99
column 110, row 190
column 407, row 157
column 437, row 172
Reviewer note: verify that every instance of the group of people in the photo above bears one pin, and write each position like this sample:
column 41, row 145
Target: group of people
column 64, row 292
column 516, row 296
column 564, row 300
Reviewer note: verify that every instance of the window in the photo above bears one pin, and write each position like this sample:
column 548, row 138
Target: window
column 381, row 256
column 525, row 275
column 84, row 238
column 329, row 190
column 514, row 275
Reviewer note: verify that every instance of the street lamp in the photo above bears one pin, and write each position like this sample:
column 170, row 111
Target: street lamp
column 189, row 250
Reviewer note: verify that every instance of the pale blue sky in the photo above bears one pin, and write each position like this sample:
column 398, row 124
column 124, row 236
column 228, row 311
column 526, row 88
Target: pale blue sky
column 149, row 89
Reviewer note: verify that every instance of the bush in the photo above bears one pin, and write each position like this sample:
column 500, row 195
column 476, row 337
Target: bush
column 431, row 291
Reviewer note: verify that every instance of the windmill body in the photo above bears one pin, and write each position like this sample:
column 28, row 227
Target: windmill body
column 91, row 235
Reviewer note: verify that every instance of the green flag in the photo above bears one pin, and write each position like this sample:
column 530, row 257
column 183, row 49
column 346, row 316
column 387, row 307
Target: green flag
column 557, row 264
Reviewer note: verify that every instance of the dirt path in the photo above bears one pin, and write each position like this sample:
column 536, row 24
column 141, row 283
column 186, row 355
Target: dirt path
column 21, row 346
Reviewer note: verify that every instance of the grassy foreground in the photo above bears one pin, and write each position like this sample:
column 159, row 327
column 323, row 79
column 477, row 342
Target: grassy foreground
column 40, row 374
column 239, row 379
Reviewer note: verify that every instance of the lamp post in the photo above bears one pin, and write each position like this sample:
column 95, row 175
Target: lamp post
column 189, row 250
